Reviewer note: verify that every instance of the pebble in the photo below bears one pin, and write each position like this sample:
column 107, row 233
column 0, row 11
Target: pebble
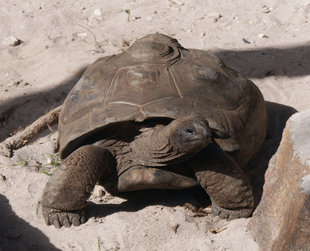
column 266, row 9
column 12, row 41
column 136, row 18
column 214, row 16
column 261, row 35
column 82, row 34
column 246, row 41
column 98, row 12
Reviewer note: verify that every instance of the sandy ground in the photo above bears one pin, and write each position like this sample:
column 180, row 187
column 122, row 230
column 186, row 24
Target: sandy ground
column 44, row 48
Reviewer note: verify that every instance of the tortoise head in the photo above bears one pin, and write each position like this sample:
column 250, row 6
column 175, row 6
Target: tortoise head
column 189, row 134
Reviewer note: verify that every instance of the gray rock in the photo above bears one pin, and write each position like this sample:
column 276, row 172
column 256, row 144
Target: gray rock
column 282, row 218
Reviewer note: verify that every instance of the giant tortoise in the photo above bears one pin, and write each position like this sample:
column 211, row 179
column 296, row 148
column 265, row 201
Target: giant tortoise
column 157, row 116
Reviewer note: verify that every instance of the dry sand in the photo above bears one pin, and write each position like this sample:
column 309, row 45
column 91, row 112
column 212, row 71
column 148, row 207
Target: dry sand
column 267, row 41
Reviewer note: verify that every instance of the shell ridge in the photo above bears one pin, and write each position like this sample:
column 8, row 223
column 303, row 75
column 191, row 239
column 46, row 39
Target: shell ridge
column 110, row 87
column 174, row 82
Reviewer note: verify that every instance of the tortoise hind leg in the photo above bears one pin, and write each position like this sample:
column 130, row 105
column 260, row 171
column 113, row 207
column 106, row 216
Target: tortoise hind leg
column 225, row 183
column 67, row 190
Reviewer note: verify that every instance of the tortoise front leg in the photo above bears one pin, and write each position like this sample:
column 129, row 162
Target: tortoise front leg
column 67, row 190
column 225, row 183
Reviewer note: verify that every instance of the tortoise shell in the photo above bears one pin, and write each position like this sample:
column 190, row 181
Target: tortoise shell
column 157, row 78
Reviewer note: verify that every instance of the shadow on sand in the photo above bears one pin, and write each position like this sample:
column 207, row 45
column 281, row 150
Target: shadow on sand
column 22, row 111
column 264, row 62
column 17, row 234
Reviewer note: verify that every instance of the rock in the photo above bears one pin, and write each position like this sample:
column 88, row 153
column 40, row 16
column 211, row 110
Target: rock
column 12, row 41
column 246, row 41
column 282, row 218
column 266, row 9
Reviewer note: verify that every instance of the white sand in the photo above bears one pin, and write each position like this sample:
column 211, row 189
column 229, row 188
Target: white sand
column 267, row 41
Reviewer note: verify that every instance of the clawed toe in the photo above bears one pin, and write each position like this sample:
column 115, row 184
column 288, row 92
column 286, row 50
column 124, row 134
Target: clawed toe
column 62, row 218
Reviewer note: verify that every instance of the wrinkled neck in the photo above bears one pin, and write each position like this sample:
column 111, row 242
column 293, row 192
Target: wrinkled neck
column 153, row 148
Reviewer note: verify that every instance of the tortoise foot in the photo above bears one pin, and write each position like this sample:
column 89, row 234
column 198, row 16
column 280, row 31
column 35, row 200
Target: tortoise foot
column 230, row 214
column 61, row 218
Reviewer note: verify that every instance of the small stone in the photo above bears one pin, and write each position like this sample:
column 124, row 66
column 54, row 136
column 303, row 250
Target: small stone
column 261, row 35
column 98, row 12
column 2, row 177
column 136, row 18
column 12, row 41
column 208, row 210
column 281, row 220
column 82, row 34
column 246, row 41
column 266, row 9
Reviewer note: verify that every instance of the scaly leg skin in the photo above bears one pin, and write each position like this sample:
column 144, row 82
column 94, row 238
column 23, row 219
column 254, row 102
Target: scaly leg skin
column 225, row 183
column 67, row 190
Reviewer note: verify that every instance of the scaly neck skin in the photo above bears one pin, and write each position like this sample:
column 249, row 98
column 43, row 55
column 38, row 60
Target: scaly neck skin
column 153, row 148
